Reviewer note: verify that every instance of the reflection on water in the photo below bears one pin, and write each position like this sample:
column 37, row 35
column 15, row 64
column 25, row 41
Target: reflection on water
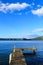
column 4, row 59
column 6, row 48
column 30, row 59
column 34, row 59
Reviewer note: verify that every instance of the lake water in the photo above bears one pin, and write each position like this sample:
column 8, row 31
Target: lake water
column 6, row 48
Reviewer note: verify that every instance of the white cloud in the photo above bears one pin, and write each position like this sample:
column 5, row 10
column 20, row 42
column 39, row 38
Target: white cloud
column 38, row 5
column 5, row 7
column 38, row 12
column 38, row 30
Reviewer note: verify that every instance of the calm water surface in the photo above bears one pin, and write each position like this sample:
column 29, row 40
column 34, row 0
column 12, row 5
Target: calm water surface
column 6, row 48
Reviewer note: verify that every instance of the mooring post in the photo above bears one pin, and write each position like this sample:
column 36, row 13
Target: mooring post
column 34, row 50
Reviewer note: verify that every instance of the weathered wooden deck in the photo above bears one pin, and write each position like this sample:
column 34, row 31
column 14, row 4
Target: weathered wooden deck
column 17, row 57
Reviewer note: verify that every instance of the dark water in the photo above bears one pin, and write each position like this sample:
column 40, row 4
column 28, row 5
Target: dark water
column 6, row 48
column 35, row 59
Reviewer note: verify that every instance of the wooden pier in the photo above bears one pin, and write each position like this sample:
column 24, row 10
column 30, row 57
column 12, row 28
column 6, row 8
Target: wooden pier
column 17, row 57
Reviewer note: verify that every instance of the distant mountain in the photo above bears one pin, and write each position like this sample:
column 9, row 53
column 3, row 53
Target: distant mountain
column 38, row 38
column 32, row 36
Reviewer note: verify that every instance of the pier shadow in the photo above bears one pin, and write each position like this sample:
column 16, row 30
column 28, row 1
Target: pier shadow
column 32, row 59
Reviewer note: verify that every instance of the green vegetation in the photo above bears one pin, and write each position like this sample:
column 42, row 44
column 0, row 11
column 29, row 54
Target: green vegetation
column 38, row 38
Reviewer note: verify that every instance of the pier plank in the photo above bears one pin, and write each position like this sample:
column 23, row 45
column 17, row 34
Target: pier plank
column 17, row 57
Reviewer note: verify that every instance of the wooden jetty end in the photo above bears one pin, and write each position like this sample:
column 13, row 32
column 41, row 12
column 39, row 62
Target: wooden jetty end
column 33, row 49
column 17, row 57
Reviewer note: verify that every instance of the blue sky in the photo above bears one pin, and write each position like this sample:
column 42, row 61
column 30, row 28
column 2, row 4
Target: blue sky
column 21, row 18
